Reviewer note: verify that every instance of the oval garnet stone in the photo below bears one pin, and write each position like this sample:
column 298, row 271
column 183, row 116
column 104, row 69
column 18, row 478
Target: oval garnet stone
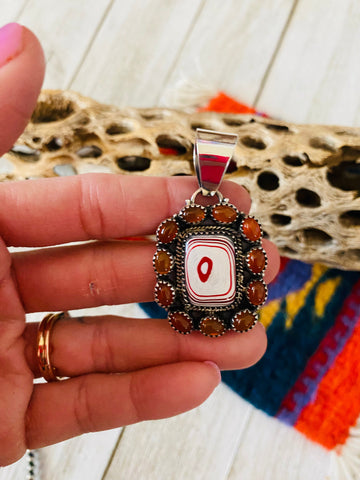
column 224, row 213
column 212, row 327
column 181, row 322
column 256, row 292
column 163, row 262
column 251, row 229
column 167, row 231
column 164, row 294
column 193, row 214
column 256, row 260
column 243, row 321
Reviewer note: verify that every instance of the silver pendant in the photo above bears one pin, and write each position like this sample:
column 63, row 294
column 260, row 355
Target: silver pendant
column 209, row 260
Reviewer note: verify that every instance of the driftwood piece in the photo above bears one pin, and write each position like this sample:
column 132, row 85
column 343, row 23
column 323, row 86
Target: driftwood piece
column 304, row 179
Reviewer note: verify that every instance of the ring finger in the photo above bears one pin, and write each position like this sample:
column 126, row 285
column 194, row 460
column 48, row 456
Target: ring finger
column 117, row 344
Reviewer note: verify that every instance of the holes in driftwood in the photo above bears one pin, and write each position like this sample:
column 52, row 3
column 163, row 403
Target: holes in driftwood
column 324, row 143
column 205, row 126
column 117, row 129
column 152, row 115
column 89, row 151
column 58, row 109
column 354, row 254
column 253, row 142
column 170, row 146
column 82, row 119
column 232, row 167
column 181, row 174
column 350, row 219
column 268, row 181
column 350, row 153
column 280, row 220
column 6, row 166
column 288, row 251
column 64, row 170
column 36, row 139
column 314, row 236
column 233, row 121
column 345, row 176
column 277, row 128
column 307, row 198
column 296, row 160
column 133, row 163
column 54, row 144
column 28, row 154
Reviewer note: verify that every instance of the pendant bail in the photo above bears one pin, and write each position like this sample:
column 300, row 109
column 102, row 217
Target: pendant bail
column 212, row 154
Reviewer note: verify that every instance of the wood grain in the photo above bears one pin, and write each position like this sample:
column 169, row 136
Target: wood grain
column 270, row 450
column 11, row 11
column 199, row 444
column 65, row 30
column 315, row 76
column 230, row 47
column 134, row 49
column 303, row 68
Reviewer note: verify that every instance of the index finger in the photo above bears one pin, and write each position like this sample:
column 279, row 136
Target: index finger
column 95, row 207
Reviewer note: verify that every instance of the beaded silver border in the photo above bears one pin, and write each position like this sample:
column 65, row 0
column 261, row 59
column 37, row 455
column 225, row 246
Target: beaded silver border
column 266, row 292
column 176, row 249
column 182, row 313
column 245, row 310
column 252, row 242
column 180, row 214
column 256, row 247
column 156, row 294
column 212, row 317
column 226, row 204
column 162, row 223
column 158, row 250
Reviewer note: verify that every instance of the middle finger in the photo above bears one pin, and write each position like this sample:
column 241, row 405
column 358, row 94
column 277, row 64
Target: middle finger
column 85, row 276
column 99, row 273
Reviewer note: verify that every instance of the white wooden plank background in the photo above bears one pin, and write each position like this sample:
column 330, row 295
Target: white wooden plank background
column 315, row 75
column 296, row 59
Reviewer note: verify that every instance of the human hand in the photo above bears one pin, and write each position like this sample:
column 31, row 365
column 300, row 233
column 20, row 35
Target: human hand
column 122, row 370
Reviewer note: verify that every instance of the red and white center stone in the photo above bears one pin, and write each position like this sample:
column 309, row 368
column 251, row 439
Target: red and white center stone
column 210, row 272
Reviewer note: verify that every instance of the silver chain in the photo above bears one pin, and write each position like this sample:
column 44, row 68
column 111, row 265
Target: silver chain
column 32, row 465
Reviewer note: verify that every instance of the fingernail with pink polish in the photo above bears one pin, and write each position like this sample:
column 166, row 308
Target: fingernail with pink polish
column 10, row 42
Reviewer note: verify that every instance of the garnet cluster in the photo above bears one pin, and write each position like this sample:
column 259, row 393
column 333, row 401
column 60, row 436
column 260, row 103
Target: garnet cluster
column 210, row 265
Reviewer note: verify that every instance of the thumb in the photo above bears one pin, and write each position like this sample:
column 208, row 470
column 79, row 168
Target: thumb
column 22, row 68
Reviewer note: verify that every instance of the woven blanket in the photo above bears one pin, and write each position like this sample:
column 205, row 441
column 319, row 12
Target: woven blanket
column 309, row 377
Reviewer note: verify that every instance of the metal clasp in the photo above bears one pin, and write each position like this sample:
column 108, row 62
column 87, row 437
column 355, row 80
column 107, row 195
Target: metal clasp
column 212, row 154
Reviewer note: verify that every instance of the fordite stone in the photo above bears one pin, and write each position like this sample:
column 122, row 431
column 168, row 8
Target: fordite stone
column 193, row 214
column 210, row 270
column 251, row 229
column 243, row 321
column 256, row 292
column 256, row 260
column 181, row 322
column 212, row 327
column 167, row 231
column 163, row 262
column 224, row 213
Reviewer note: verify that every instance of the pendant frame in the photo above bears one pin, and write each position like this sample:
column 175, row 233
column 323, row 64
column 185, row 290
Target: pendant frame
column 222, row 317
column 239, row 236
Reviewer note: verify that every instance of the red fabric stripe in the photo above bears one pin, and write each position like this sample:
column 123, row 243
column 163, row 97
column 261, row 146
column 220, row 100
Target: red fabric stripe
column 335, row 409
column 224, row 103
